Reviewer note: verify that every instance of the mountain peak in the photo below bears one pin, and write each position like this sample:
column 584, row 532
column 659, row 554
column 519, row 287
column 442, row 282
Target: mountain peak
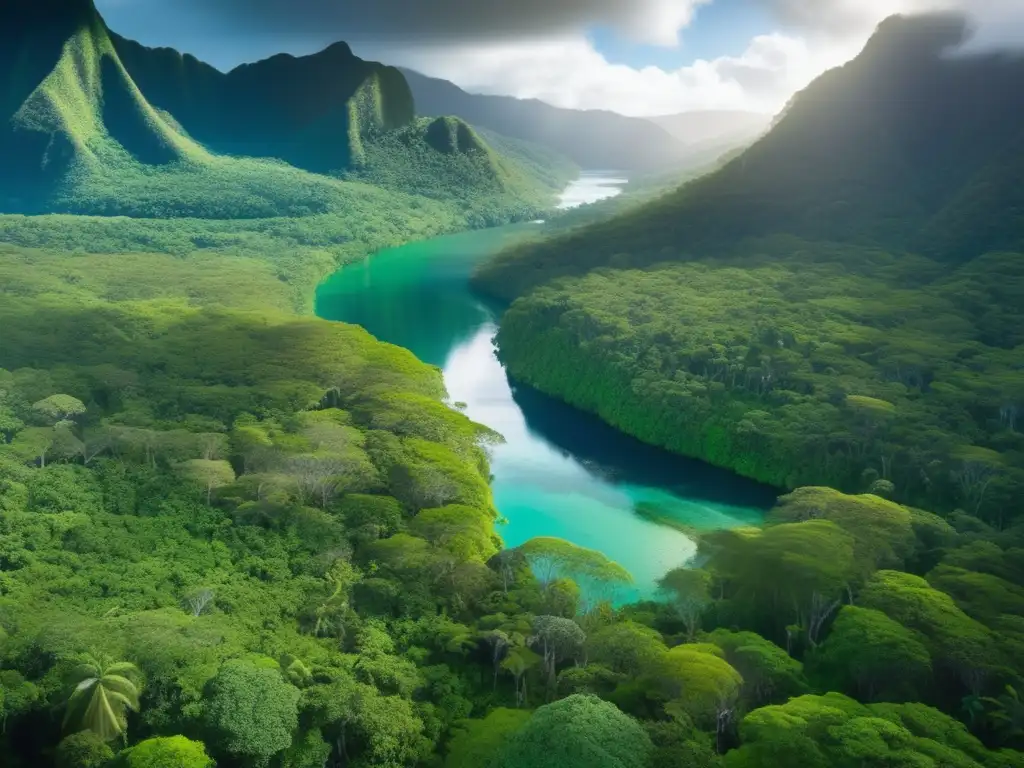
column 21, row 15
column 914, row 38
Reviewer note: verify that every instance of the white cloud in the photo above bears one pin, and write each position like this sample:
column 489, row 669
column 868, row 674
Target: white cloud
column 572, row 73
column 812, row 36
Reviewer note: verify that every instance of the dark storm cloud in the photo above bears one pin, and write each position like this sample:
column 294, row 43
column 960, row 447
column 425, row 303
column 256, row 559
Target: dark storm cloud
column 426, row 21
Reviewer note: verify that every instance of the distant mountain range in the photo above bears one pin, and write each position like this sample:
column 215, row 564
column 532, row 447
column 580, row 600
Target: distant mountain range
column 709, row 128
column 903, row 148
column 594, row 139
column 91, row 122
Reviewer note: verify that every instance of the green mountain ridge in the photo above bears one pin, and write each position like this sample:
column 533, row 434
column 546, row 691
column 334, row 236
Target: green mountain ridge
column 594, row 139
column 847, row 161
column 838, row 305
column 95, row 123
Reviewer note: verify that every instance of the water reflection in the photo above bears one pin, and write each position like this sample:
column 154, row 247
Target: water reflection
column 560, row 472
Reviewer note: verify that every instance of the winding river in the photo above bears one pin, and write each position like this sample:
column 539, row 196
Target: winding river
column 560, row 472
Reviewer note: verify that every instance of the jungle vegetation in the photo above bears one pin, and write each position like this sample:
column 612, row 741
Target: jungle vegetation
column 233, row 535
column 838, row 305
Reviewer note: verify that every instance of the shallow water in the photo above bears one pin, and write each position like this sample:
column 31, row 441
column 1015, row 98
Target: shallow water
column 560, row 472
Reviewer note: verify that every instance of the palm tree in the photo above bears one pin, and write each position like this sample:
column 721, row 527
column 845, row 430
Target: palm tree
column 102, row 693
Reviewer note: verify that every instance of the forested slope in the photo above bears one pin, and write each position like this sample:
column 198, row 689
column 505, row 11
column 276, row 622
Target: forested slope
column 96, row 124
column 594, row 139
column 838, row 305
column 893, row 149
column 230, row 533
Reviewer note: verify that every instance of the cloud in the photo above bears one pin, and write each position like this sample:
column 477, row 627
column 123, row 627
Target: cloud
column 571, row 73
column 654, row 22
column 811, row 36
column 540, row 49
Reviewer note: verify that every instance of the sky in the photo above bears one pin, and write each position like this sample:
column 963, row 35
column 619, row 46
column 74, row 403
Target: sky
column 637, row 57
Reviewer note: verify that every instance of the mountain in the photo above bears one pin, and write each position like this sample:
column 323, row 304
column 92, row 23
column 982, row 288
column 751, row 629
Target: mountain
column 593, row 139
column 310, row 111
column 841, row 305
column 904, row 147
column 714, row 127
column 94, row 123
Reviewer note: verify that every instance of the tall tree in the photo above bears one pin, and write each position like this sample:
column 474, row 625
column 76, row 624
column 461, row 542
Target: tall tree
column 689, row 592
column 102, row 694
column 872, row 657
column 250, row 712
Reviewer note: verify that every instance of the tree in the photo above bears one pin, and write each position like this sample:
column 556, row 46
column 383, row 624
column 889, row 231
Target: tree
column 366, row 728
column 317, row 478
column 464, row 532
column 198, row 601
column 552, row 558
column 872, row 657
column 83, row 750
column 958, row 644
column 559, row 639
column 10, row 424
column 102, row 694
column 833, row 731
column 59, row 408
column 626, row 647
column 811, row 564
column 769, row 673
column 518, row 662
column 17, row 695
column 580, row 731
column 208, row 474
column 308, row 750
column 882, row 530
column 475, row 743
column 689, row 591
column 703, row 684
column 976, row 468
column 1007, row 714
column 167, row 752
column 250, row 711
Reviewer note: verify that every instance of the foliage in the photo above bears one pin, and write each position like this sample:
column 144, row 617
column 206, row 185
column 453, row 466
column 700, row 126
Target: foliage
column 833, row 730
column 102, row 693
column 476, row 743
column 250, row 712
column 166, row 752
column 872, row 657
column 749, row 362
column 83, row 750
column 577, row 731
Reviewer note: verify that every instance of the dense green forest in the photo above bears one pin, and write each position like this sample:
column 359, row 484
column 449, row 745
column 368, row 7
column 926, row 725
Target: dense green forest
column 264, row 540
column 838, row 305
column 233, row 535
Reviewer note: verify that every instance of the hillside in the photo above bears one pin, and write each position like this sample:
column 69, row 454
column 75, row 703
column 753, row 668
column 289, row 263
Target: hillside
column 99, row 124
column 594, row 139
column 895, row 149
column 839, row 305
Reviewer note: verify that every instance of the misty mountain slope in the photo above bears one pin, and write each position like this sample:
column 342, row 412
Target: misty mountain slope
column 882, row 151
column 99, row 124
column 714, row 127
column 840, row 305
column 593, row 139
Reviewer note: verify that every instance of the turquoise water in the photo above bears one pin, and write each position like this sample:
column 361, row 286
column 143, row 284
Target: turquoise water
column 560, row 472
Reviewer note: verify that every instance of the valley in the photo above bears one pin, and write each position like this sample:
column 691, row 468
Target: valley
column 557, row 473
column 346, row 423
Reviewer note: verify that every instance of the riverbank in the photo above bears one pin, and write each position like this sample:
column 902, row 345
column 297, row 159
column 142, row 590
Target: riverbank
column 560, row 472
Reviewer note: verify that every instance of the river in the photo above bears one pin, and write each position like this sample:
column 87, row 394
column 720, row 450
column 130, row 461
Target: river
column 560, row 472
